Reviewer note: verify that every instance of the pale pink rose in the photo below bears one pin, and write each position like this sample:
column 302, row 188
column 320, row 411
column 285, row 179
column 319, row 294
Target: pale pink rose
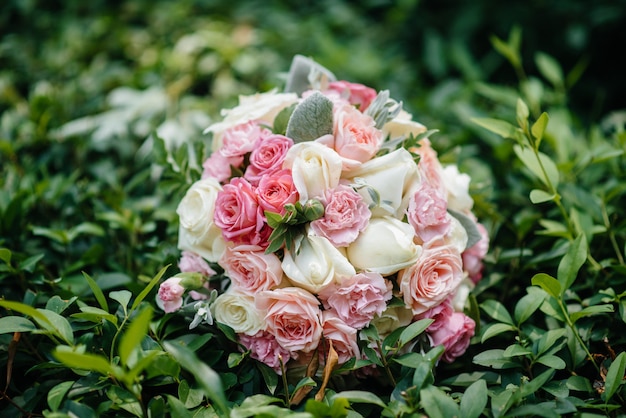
column 267, row 157
column 237, row 213
column 357, row 94
column 170, row 295
column 439, row 314
column 219, row 167
column 345, row 215
column 435, row 276
column 250, row 269
column 264, row 347
column 191, row 262
column 358, row 299
column 429, row 167
column 427, row 213
column 241, row 139
column 343, row 336
column 473, row 256
column 355, row 134
column 292, row 315
column 277, row 190
column 454, row 335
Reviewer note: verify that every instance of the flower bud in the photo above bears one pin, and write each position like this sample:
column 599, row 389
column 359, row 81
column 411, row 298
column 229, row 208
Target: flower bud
column 313, row 209
column 191, row 280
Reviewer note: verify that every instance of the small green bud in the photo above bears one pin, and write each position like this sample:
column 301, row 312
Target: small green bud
column 191, row 281
column 313, row 209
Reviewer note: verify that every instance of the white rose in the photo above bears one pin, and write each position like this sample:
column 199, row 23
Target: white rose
column 402, row 126
column 316, row 264
column 261, row 107
column 391, row 319
column 385, row 246
column 457, row 235
column 197, row 232
column 394, row 176
column 314, row 168
column 457, row 185
column 462, row 294
column 239, row 312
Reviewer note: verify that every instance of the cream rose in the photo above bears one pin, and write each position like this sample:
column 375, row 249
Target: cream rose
column 456, row 236
column 394, row 176
column 402, row 126
column 457, row 185
column 261, row 107
column 316, row 264
column 385, row 246
column 197, row 231
column 239, row 312
column 314, row 168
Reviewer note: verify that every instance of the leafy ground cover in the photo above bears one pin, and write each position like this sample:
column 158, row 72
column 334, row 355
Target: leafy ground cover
column 87, row 205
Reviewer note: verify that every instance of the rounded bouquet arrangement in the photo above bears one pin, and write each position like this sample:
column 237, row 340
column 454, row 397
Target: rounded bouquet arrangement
column 323, row 225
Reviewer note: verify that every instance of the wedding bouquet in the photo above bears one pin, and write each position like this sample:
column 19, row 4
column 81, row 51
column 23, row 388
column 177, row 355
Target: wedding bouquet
column 323, row 214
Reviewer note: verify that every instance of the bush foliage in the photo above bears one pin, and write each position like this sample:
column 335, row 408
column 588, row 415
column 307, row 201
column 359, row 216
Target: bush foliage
column 101, row 103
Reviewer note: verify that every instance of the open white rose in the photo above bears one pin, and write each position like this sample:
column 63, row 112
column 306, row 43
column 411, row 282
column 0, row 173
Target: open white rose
column 316, row 264
column 239, row 312
column 402, row 126
column 262, row 107
column 197, row 232
column 457, row 185
column 456, row 236
column 385, row 246
column 394, row 176
column 314, row 168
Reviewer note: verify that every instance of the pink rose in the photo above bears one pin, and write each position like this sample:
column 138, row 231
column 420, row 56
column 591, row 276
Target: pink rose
column 357, row 94
column 267, row 157
column 454, row 335
column 356, row 137
column 170, row 295
column 264, row 347
column 473, row 256
column 250, row 269
column 219, row 167
column 191, row 262
column 237, row 213
column 427, row 213
column 293, row 317
column 341, row 334
column 439, row 314
column 241, row 139
column 429, row 167
column 345, row 216
column 358, row 299
column 436, row 275
column 275, row 191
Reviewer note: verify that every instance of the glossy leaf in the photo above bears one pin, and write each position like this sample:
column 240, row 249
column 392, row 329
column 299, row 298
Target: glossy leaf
column 97, row 292
column 11, row 324
column 57, row 394
column 572, row 262
column 474, row 400
column 547, row 283
column 437, row 404
column 497, row 311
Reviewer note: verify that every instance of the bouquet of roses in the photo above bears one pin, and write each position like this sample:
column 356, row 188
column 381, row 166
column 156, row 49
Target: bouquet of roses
column 321, row 213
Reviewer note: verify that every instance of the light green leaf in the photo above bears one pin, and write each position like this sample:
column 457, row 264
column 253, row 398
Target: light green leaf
column 84, row 361
column 522, row 113
column 495, row 329
column 11, row 324
column 438, row 404
column 528, row 304
column 535, row 162
column 474, row 400
column 516, row 350
column 572, row 261
column 495, row 358
column 358, row 396
column 311, row 119
column 591, row 310
column 549, row 68
column 57, row 394
column 547, row 283
column 125, row 400
column 97, row 292
column 93, row 314
column 536, row 384
column 549, row 339
column 178, row 409
column 413, row 330
column 56, row 324
column 539, row 196
column 135, row 333
column 58, row 305
column 539, row 127
column 497, row 311
column 497, row 126
column 5, row 255
column 208, row 378
column 148, row 288
column 121, row 296
column 552, row 361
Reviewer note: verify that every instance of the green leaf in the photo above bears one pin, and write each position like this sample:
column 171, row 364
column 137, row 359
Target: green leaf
column 549, row 68
column 497, row 126
column 438, row 404
column 552, row 361
column 311, row 119
column 11, row 324
column 97, row 292
column 413, row 330
column 536, row 384
column 134, row 334
column 549, row 339
column 516, row 350
column 93, row 314
column 84, row 361
column 473, row 234
column 527, row 305
column 58, row 305
column 282, row 119
column 359, row 396
column 539, row 127
column 497, row 311
column 208, row 378
column 539, row 196
column 125, row 400
column 474, row 400
column 591, row 310
column 495, row 329
column 5, row 255
column 121, row 296
column 148, row 288
column 57, row 393
column 522, row 113
column 547, row 283
column 572, row 261
column 494, row 358
column 534, row 161
column 177, row 408
column 56, row 324
column 30, row 263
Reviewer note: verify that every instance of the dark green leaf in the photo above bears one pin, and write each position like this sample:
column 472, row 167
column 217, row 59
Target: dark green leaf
column 413, row 330
column 591, row 310
column 437, row 404
column 528, row 304
column 474, row 400
column 495, row 329
column 57, row 393
column 495, row 358
column 547, row 283
column 572, row 262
